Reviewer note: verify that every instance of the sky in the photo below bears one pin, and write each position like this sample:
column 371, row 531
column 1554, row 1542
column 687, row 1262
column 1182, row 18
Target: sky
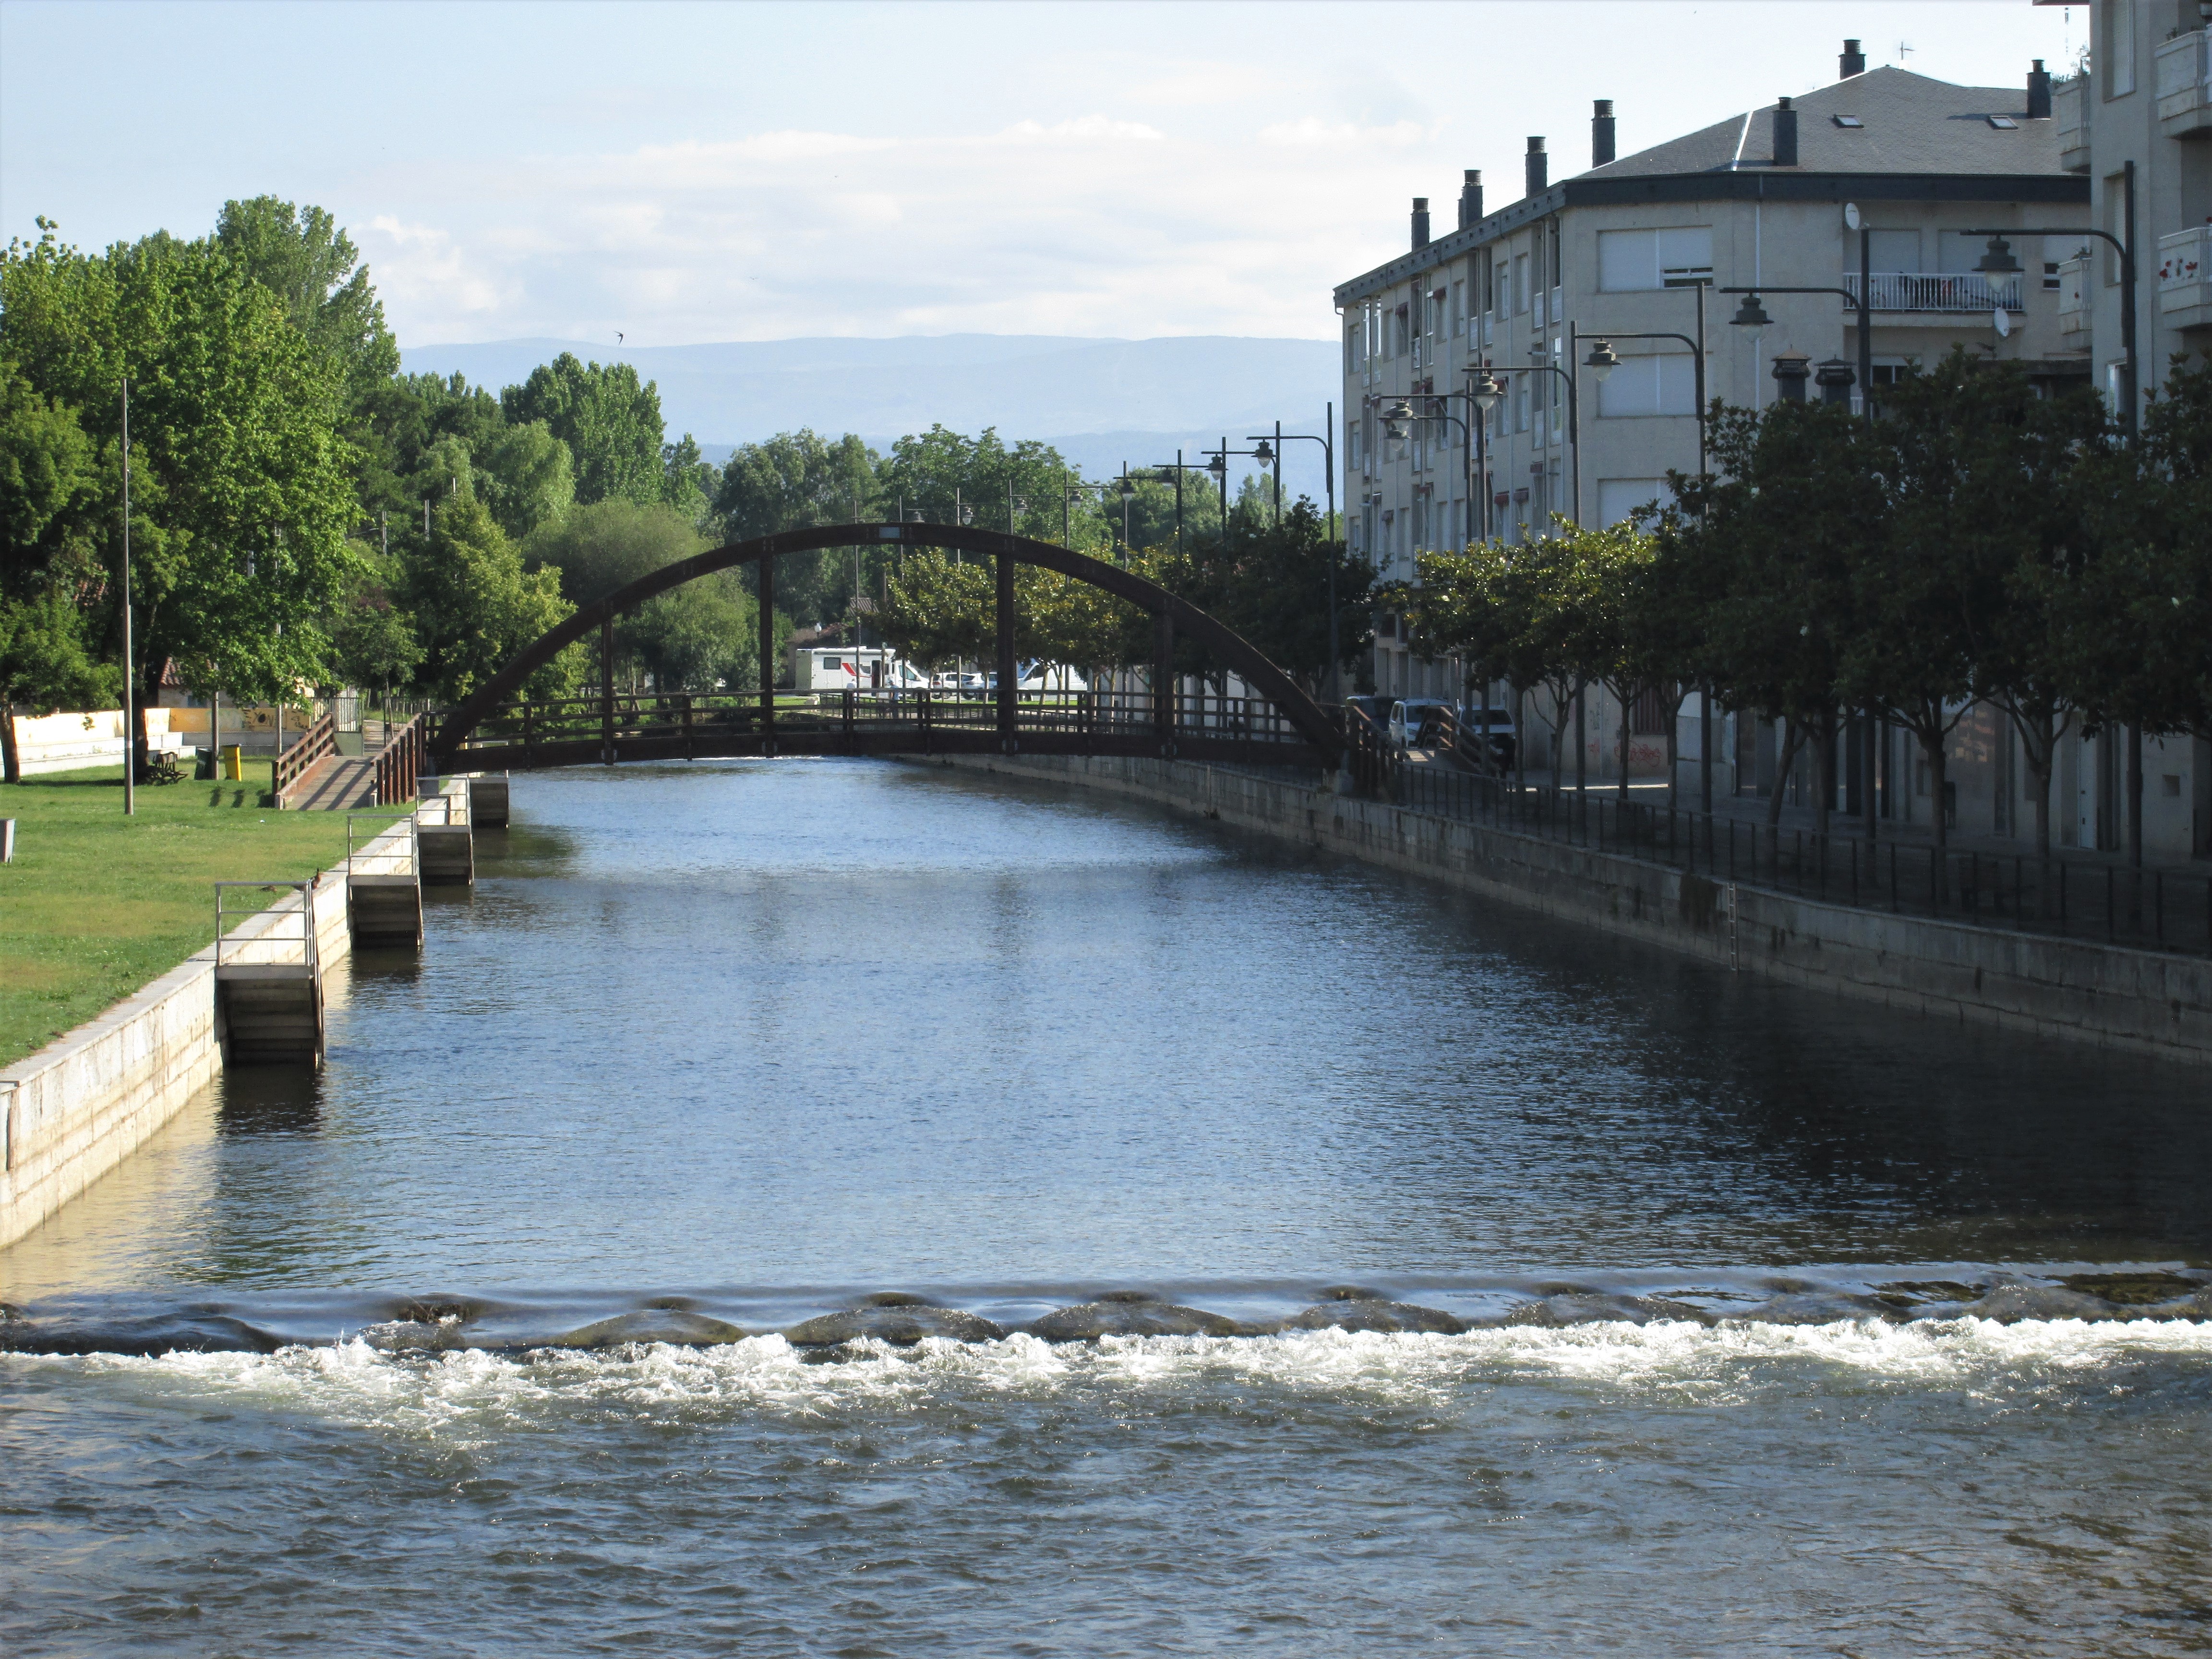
column 709, row 172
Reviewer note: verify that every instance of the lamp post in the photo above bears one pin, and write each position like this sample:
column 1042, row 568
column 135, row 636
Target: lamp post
column 1487, row 392
column 1603, row 360
column 1999, row 260
column 1753, row 315
column 130, row 688
column 1267, row 453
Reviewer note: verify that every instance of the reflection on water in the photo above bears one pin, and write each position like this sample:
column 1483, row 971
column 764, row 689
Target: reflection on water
column 747, row 1042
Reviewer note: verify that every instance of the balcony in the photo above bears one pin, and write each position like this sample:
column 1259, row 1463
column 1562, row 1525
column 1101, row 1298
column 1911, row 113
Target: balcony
column 2073, row 308
column 2184, row 278
column 1958, row 294
column 2185, row 85
column 2069, row 108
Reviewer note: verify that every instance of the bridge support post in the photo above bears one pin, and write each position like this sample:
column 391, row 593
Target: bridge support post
column 768, row 654
column 1009, row 708
column 607, row 690
column 1164, row 688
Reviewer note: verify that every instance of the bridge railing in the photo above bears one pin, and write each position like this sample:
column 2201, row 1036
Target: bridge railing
column 685, row 720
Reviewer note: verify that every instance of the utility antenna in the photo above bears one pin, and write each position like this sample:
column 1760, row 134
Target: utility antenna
column 1903, row 48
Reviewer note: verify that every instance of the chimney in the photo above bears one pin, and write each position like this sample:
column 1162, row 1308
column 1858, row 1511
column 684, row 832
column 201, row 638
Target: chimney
column 1853, row 62
column 2039, row 93
column 1420, row 223
column 1785, row 133
column 1538, row 169
column 1470, row 199
column 1602, row 133
column 1791, row 370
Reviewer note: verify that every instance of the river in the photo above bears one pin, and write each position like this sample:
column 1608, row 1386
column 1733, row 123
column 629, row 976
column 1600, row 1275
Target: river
column 1757, row 1322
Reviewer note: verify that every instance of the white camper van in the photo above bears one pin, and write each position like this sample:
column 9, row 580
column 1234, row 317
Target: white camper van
column 843, row 667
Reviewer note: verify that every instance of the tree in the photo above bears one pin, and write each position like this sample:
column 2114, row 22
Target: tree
column 1777, row 536
column 303, row 257
column 610, row 422
column 688, row 483
column 528, row 478
column 241, row 491
column 789, row 481
column 45, row 665
column 475, row 608
column 374, row 643
column 1270, row 582
column 691, row 637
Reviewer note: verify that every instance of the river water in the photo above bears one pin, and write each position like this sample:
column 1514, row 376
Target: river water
column 1756, row 1322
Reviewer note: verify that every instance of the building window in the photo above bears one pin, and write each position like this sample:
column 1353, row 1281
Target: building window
column 1459, row 307
column 1624, row 498
column 1664, row 383
column 1631, row 261
column 1520, row 283
column 2051, row 276
column 1405, row 340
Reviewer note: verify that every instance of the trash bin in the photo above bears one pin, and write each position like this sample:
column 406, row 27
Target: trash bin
column 232, row 767
column 203, row 765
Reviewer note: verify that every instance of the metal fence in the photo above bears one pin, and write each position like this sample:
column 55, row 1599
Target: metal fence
column 2073, row 897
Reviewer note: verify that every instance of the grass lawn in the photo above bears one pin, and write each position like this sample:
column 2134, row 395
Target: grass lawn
column 96, row 904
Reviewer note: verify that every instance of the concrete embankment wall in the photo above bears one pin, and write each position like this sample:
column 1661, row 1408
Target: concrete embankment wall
column 2145, row 1001
column 77, row 1108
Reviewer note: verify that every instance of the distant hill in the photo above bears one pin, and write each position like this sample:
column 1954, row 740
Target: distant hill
column 1099, row 402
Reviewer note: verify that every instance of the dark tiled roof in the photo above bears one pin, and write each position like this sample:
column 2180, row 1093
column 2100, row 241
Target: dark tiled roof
column 1910, row 124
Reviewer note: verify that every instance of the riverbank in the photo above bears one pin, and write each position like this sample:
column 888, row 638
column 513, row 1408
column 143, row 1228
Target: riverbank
column 2139, row 1000
column 100, row 905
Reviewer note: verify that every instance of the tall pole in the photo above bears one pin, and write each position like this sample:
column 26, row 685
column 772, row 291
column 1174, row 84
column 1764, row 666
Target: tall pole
column 1697, row 367
column 2131, row 382
column 1335, row 548
column 1064, row 509
column 129, row 690
column 1279, row 472
column 1866, row 327
column 1178, row 500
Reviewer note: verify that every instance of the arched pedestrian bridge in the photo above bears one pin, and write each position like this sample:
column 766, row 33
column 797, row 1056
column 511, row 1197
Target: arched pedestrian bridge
column 494, row 731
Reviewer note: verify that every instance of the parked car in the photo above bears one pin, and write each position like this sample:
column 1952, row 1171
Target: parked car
column 1414, row 721
column 1376, row 707
column 1496, row 725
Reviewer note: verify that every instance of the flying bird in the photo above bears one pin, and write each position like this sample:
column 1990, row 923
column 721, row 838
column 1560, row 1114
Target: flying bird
column 618, row 337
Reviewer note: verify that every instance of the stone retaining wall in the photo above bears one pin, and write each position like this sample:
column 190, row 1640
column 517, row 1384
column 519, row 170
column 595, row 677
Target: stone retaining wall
column 80, row 1105
column 2147, row 1001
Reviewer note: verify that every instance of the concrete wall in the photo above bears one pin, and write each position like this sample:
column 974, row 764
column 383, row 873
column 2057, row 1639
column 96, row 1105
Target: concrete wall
column 71, row 1112
column 2141, row 1000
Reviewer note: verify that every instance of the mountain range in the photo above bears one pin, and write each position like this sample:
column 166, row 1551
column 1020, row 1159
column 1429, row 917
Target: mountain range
column 1100, row 403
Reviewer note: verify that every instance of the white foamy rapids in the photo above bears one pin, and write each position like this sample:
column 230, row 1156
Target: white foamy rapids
column 459, row 1398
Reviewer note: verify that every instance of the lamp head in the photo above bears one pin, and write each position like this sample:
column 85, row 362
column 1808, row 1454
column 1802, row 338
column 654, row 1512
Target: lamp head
column 1750, row 313
column 1219, row 466
column 1128, row 485
column 1265, row 454
column 1603, row 360
column 1998, row 260
column 1487, row 391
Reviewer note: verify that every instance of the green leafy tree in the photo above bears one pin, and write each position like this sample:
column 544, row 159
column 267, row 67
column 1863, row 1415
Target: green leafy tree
column 1774, row 541
column 241, row 488
column 609, row 421
column 527, row 478
column 794, row 480
column 692, row 638
column 303, row 256
column 475, row 607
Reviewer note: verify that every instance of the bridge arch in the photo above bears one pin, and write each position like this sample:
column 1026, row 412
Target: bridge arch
column 1304, row 731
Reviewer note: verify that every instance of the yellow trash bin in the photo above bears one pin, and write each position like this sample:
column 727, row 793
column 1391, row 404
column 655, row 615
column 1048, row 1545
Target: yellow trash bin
column 232, row 760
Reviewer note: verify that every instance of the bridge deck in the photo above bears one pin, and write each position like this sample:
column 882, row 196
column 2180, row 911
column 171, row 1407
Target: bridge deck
column 589, row 731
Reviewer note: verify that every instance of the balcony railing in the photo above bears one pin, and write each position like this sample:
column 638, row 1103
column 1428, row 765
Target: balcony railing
column 2185, row 84
column 1962, row 292
column 2185, row 278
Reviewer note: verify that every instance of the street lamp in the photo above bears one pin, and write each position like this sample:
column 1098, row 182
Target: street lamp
column 1267, row 453
column 1753, row 315
column 1999, row 260
column 1485, row 396
column 1602, row 360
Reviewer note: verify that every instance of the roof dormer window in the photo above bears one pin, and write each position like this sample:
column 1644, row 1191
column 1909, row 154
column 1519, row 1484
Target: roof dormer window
column 2004, row 123
column 1848, row 121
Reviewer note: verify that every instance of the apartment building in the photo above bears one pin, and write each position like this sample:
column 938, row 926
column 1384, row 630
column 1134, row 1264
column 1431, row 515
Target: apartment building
column 1882, row 179
column 2135, row 125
